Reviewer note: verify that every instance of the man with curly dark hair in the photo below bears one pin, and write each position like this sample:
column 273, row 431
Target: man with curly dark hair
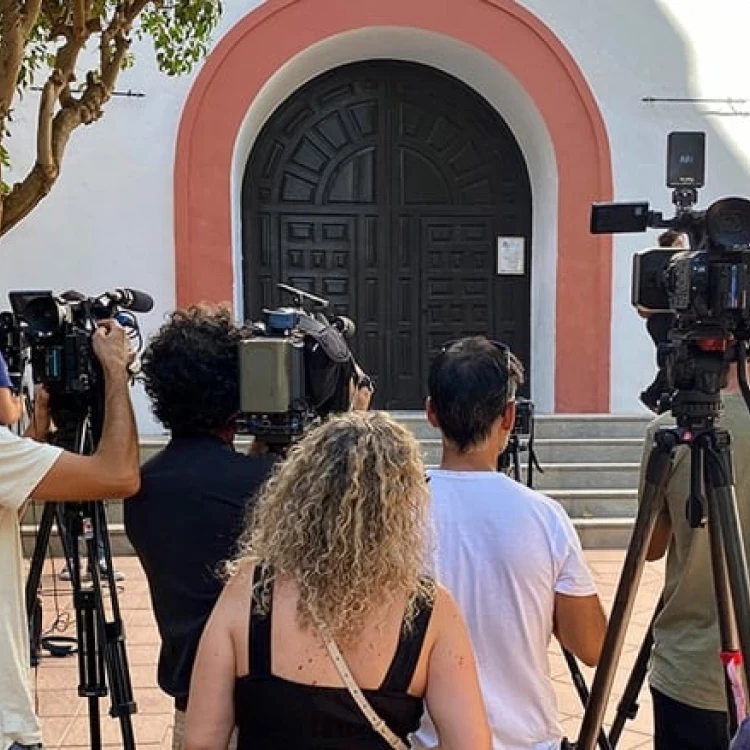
column 184, row 521
column 187, row 516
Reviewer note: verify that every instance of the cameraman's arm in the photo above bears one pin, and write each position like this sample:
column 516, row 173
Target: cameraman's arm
column 580, row 625
column 11, row 408
column 113, row 470
column 579, row 619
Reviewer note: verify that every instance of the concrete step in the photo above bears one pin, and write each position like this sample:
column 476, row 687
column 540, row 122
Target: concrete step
column 595, row 533
column 586, row 476
column 597, row 503
column 553, row 426
column 585, row 450
column 590, row 466
column 578, row 502
column 591, row 426
column 563, row 450
column 604, row 533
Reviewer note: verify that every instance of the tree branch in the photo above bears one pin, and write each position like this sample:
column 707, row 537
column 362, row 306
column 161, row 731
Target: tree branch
column 12, row 41
column 80, row 17
column 112, row 67
column 133, row 10
column 27, row 194
column 54, row 132
column 44, row 154
column 31, row 9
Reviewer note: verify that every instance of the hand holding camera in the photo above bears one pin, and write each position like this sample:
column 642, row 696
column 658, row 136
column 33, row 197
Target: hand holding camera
column 112, row 348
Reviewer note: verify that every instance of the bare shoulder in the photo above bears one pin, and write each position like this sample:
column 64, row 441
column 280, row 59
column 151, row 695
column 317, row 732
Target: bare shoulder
column 445, row 612
column 238, row 589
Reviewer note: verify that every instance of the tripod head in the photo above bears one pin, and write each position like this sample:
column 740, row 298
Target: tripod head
column 697, row 371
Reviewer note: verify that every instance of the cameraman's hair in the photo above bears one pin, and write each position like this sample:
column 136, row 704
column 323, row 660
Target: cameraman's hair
column 190, row 370
column 670, row 238
column 470, row 388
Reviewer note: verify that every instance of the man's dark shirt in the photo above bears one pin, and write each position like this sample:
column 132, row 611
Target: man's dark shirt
column 183, row 523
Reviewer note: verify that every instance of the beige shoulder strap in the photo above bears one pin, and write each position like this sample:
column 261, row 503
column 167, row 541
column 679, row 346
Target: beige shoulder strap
column 345, row 673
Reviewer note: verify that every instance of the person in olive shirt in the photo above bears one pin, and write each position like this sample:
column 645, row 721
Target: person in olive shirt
column 686, row 676
column 185, row 520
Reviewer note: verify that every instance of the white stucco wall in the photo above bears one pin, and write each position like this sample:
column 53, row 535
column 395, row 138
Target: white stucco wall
column 109, row 220
column 663, row 49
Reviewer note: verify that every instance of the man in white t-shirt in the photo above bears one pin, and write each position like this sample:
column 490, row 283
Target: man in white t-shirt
column 509, row 555
column 31, row 469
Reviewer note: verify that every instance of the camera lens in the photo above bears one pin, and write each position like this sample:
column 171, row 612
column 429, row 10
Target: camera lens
column 728, row 223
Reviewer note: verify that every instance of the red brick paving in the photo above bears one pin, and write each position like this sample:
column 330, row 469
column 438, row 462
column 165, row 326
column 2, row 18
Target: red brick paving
column 64, row 714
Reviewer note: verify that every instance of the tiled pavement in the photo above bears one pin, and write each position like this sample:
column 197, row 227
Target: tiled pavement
column 64, row 714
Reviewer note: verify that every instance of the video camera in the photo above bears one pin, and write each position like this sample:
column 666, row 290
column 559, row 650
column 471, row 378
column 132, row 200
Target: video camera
column 521, row 440
column 706, row 287
column 53, row 333
column 523, row 427
column 296, row 368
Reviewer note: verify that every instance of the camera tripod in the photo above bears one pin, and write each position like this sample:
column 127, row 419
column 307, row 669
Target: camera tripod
column 102, row 659
column 510, row 464
column 696, row 411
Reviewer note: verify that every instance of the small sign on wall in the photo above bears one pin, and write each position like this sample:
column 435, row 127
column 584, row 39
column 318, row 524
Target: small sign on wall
column 511, row 256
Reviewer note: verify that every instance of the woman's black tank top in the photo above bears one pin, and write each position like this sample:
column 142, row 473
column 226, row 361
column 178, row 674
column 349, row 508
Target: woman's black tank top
column 273, row 713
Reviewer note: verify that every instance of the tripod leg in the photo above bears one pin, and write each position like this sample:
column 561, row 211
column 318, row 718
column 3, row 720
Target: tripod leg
column 635, row 558
column 111, row 632
column 90, row 678
column 37, row 558
column 627, row 708
column 583, row 693
column 723, row 592
column 33, row 610
column 723, row 505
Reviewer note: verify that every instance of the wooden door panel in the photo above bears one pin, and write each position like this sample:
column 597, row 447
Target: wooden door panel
column 383, row 186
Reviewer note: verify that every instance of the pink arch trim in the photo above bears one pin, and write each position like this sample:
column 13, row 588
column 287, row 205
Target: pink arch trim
column 268, row 37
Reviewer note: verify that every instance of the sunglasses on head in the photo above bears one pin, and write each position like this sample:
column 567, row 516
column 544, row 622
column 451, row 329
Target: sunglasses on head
column 504, row 349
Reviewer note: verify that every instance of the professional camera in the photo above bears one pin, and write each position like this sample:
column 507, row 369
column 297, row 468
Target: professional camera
column 524, row 424
column 706, row 287
column 53, row 333
column 521, row 440
column 296, row 368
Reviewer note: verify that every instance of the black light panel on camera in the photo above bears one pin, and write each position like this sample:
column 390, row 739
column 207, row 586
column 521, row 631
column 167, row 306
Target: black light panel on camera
column 686, row 159
column 616, row 218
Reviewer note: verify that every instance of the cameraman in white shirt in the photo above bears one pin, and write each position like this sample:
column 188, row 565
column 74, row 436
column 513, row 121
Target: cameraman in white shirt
column 509, row 555
column 31, row 469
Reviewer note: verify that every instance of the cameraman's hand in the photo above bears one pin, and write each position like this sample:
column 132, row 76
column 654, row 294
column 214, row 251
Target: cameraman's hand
column 112, row 348
column 360, row 393
column 257, row 448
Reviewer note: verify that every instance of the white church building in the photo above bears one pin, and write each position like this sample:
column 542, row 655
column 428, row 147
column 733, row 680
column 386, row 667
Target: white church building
column 427, row 165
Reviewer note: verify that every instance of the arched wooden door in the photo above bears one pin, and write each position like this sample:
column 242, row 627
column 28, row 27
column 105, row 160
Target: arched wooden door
column 386, row 187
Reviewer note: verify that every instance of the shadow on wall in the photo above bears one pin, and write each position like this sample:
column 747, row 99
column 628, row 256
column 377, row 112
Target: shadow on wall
column 654, row 68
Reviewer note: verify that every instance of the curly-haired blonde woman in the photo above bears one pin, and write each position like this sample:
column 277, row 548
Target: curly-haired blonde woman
column 339, row 538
